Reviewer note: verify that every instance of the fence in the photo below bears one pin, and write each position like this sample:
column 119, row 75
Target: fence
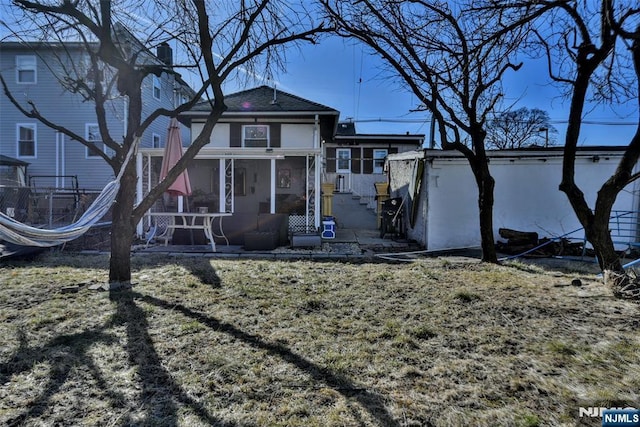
column 45, row 207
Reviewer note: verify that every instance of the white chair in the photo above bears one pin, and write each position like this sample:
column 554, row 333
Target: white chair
column 159, row 229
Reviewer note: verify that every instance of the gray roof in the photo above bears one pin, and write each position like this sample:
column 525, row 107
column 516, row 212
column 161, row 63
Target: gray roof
column 265, row 99
column 10, row 161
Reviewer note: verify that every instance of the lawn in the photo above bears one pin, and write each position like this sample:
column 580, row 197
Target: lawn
column 197, row 342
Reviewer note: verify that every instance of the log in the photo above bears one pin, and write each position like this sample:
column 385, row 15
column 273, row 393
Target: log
column 519, row 236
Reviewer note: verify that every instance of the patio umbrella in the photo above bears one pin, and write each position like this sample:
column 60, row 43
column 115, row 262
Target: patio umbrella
column 172, row 153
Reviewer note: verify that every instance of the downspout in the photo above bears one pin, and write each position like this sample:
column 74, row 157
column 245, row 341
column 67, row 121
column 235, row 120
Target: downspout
column 63, row 163
column 58, row 160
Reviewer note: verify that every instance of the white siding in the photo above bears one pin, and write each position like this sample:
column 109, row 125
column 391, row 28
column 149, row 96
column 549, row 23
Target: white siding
column 526, row 198
column 297, row 136
column 219, row 137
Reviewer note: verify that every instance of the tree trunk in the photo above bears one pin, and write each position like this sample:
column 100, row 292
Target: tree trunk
column 486, row 186
column 122, row 230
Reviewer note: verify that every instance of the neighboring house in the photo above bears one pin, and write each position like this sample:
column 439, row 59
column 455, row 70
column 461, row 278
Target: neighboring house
column 526, row 193
column 34, row 72
column 264, row 157
column 354, row 162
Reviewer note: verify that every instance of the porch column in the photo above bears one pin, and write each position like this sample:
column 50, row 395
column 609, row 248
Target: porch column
column 139, row 195
column 222, row 196
column 316, row 190
column 272, row 191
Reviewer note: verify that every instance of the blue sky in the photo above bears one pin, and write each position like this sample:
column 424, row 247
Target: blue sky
column 341, row 75
column 330, row 72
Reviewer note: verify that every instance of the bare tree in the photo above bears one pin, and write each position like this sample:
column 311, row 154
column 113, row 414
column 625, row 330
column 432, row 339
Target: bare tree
column 221, row 38
column 452, row 58
column 520, row 128
column 593, row 52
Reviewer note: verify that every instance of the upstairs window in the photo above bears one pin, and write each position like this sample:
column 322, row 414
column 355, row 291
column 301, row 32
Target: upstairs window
column 93, row 136
column 26, row 140
column 255, row 136
column 156, row 87
column 155, row 141
column 26, row 69
column 378, row 160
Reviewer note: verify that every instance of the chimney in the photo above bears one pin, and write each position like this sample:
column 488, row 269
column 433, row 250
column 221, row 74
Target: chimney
column 165, row 54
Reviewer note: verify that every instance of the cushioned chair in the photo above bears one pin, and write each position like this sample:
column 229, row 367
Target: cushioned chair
column 271, row 232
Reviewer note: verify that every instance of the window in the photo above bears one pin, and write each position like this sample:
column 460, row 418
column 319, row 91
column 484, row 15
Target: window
column 156, row 87
column 26, row 140
column 155, row 141
column 94, row 137
column 255, row 136
column 378, row 160
column 343, row 160
column 26, row 70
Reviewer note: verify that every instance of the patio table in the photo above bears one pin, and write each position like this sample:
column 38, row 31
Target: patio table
column 189, row 222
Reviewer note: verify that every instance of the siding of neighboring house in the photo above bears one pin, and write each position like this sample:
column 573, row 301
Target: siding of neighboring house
column 57, row 154
column 526, row 194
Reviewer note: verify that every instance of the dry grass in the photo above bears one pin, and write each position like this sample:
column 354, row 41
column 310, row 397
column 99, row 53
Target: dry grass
column 443, row 342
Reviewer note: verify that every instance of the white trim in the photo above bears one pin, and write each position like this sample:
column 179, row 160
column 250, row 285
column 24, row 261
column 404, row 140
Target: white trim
column 156, row 84
column 26, row 67
column 139, row 195
column 86, row 136
column 381, row 168
column 243, row 115
column 272, row 187
column 257, row 125
column 34, row 128
column 338, row 158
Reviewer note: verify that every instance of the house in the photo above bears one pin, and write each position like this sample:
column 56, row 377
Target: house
column 263, row 160
column 34, row 72
column 355, row 162
column 444, row 213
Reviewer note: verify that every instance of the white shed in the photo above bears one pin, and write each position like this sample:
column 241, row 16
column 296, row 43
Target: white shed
column 527, row 197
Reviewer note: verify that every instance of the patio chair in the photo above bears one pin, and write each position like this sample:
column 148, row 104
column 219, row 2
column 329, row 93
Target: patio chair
column 159, row 229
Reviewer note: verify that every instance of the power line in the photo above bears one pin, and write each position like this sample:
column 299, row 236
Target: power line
column 426, row 119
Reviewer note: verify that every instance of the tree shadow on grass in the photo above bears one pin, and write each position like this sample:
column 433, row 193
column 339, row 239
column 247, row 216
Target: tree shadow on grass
column 371, row 402
column 159, row 392
column 204, row 271
column 64, row 353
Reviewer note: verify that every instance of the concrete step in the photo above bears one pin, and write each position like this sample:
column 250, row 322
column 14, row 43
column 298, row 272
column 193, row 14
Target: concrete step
column 350, row 213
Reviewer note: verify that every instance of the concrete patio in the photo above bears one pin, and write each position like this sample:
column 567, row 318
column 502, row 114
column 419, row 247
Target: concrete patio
column 348, row 243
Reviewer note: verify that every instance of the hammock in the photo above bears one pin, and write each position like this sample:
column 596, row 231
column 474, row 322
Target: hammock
column 21, row 234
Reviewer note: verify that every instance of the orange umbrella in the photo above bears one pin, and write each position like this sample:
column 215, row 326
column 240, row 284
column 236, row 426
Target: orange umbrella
column 172, row 153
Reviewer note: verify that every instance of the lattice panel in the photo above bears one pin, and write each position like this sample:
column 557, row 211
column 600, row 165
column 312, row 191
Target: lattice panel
column 298, row 224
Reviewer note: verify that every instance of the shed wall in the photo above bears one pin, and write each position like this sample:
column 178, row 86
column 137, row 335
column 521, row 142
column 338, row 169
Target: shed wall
column 526, row 198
